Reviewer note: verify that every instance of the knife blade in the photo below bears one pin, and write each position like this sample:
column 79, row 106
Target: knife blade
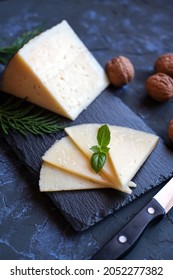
column 127, row 237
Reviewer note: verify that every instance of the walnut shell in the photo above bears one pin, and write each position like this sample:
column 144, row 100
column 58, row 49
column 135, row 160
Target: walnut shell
column 164, row 64
column 120, row 71
column 170, row 130
column 160, row 87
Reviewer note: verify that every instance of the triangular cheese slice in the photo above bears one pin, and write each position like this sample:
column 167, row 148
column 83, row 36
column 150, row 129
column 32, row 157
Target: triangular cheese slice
column 56, row 71
column 129, row 148
column 85, row 136
column 66, row 155
column 56, row 179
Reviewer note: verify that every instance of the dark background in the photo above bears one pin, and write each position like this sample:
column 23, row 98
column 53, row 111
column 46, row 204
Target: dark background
column 30, row 226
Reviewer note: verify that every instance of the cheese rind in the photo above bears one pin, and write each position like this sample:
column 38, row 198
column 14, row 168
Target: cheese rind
column 56, row 179
column 129, row 148
column 56, row 71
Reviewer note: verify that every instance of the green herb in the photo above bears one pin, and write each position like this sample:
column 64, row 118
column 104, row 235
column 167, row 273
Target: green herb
column 21, row 116
column 7, row 52
column 98, row 158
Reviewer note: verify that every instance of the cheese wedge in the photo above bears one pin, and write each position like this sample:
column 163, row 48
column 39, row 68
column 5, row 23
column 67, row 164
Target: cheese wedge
column 56, row 71
column 66, row 155
column 56, row 179
column 129, row 148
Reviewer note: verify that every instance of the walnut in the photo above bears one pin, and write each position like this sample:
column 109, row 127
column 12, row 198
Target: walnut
column 170, row 130
column 164, row 64
column 120, row 71
column 160, row 87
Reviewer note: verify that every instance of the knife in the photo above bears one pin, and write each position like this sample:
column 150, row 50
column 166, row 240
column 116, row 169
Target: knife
column 126, row 238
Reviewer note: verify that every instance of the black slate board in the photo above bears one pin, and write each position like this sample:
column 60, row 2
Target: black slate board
column 85, row 208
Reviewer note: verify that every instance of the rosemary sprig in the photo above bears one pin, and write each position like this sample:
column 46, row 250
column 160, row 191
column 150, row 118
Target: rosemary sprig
column 20, row 115
column 7, row 52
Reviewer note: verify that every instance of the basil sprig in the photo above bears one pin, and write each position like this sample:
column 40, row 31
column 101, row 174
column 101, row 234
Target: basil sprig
column 100, row 151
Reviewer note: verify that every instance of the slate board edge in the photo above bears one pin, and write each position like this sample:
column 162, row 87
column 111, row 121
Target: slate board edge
column 69, row 216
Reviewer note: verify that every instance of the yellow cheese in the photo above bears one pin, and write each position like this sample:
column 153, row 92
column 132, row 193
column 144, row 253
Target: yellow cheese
column 66, row 155
column 85, row 136
column 129, row 149
column 56, row 179
column 56, row 71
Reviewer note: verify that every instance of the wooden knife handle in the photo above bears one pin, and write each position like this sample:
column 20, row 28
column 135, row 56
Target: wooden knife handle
column 126, row 238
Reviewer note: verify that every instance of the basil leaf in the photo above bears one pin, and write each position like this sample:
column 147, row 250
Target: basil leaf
column 95, row 149
column 104, row 150
column 97, row 161
column 103, row 136
column 98, row 158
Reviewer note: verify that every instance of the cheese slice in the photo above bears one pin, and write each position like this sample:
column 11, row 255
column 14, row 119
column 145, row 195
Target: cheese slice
column 129, row 148
column 56, row 179
column 85, row 136
column 56, row 71
column 66, row 155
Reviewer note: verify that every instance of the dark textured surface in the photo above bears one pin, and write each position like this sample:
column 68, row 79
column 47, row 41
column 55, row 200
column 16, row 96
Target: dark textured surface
column 132, row 230
column 139, row 29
